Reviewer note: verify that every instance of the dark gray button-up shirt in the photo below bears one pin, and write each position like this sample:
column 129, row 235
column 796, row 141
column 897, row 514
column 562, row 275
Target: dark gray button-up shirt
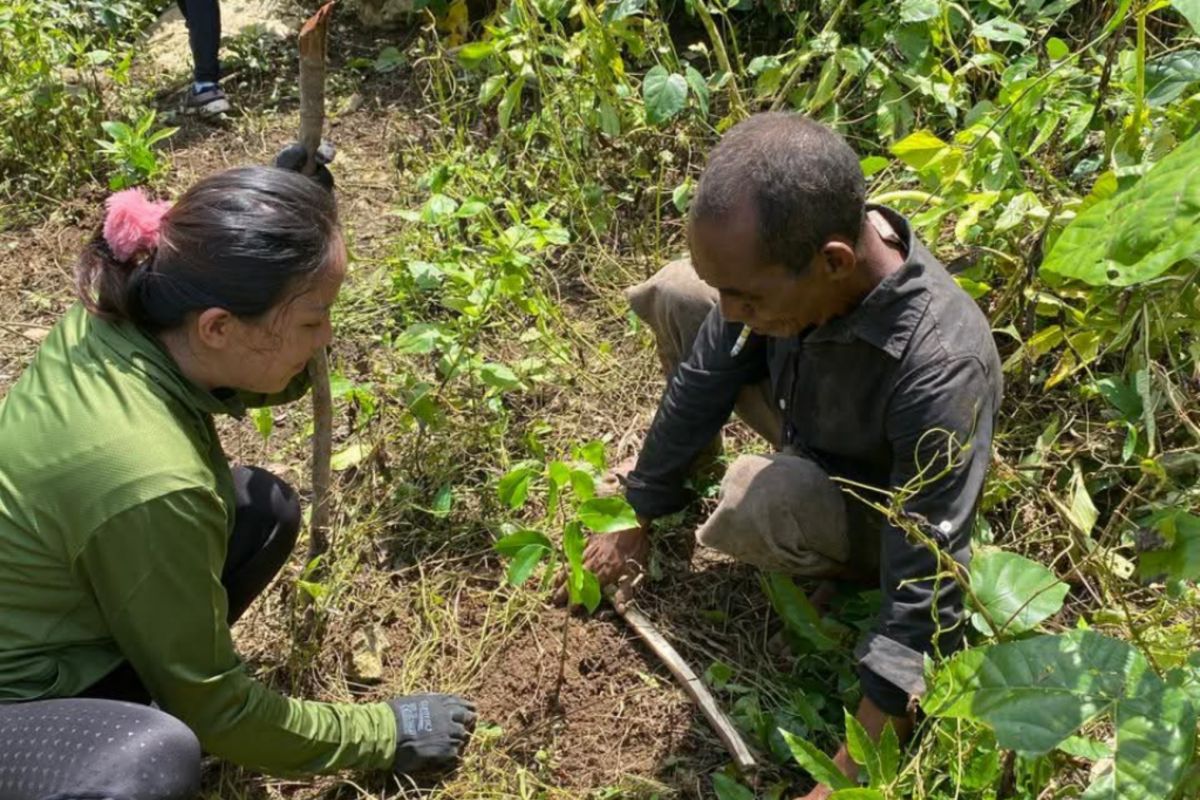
column 902, row 392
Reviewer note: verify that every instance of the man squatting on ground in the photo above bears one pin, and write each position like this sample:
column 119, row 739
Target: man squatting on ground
column 864, row 362
column 129, row 544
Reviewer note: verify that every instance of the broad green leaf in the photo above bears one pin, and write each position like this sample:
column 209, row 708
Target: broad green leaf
column 472, row 54
column 664, row 93
column 1083, row 747
column 617, row 10
column 1082, row 511
column 1017, row 593
column 858, row 794
column 583, row 483
column 1036, row 692
column 593, row 453
column 438, row 207
column 573, row 544
column 889, row 752
column 1180, row 560
column 999, row 29
column 919, row 10
column 1190, row 9
column 443, row 500
column 349, row 457
column 499, row 377
column 514, row 486
column 1057, row 49
column 517, row 541
column 726, row 788
column 524, row 563
column 1169, row 76
column 512, row 96
column 699, row 88
column 607, row 514
column 589, row 594
column 389, row 60
column 797, row 613
column 264, row 421
column 558, row 473
column 918, row 149
column 1138, row 234
column 873, row 164
column 862, row 749
column 819, row 765
column 490, row 88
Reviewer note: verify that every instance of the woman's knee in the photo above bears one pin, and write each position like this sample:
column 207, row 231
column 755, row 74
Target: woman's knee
column 270, row 501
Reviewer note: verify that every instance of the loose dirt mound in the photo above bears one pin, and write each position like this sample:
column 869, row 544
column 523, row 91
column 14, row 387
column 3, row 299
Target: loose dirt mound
column 616, row 716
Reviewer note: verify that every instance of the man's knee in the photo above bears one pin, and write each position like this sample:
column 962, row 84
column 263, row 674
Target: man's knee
column 779, row 512
column 673, row 303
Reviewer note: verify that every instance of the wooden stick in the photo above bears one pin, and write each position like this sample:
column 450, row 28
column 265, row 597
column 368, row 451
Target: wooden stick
column 312, row 120
column 691, row 684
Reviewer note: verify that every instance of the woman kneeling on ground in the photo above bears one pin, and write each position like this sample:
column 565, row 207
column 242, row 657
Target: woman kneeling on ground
column 127, row 544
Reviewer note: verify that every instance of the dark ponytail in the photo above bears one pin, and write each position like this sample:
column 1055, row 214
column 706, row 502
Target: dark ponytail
column 242, row 240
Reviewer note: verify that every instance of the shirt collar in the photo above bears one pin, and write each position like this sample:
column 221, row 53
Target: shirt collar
column 889, row 314
column 145, row 354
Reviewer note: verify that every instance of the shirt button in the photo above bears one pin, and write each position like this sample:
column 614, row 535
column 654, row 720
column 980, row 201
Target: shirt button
column 782, row 404
column 945, row 526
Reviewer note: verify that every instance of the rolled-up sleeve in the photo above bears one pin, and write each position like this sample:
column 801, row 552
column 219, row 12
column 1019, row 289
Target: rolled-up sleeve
column 698, row 401
column 940, row 419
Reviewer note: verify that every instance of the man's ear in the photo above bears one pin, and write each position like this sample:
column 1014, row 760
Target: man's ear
column 216, row 328
column 840, row 259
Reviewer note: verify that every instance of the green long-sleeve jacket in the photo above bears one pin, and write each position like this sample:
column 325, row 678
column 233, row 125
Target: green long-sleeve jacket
column 116, row 503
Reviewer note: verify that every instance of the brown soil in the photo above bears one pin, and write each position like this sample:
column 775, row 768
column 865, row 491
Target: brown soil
column 618, row 715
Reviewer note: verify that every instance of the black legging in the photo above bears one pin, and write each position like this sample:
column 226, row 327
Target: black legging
column 204, row 35
column 108, row 743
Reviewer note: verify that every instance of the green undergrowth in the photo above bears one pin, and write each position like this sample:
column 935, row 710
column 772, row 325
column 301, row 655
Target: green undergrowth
column 1046, row 151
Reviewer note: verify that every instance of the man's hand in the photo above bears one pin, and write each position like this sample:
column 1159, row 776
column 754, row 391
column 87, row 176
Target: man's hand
column 617, row 559
column 873, row 720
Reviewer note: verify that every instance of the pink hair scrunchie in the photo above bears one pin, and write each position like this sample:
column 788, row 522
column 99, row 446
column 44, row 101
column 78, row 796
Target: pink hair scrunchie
column 132, row 223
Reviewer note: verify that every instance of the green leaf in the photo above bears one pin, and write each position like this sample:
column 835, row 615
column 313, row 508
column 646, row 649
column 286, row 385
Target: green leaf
column 349, row 457
column 1169, row 76
column 919, row 148
column 418, row 339
column 1190, row 9
column 389, row 60
column 514, row 486
column 438, row 207
column 1082, row 512
column 500, row 377
column 443, row 500
column 264, row 421
column 862, row 749
column 1138, row 234
column 889, row 752
column 726, row 788
column 1180, row 560
column 1016, row 592
column 490, row 88
column 515, row 542
column 999, row 29
column 873, row 164
column 524, row 563
column 471, row 54
column 699, row 88
column 583, row 483
column 512, row 97
column 858, row 794
column 1036, row 692
column 1083, row 747
column 798, row 614
column 664, row 93
column 589, row 595
column 819, row 765
column 607, row 514
column 617, row 10
column 573, row 544
column 1057, row 49
column 919, row 10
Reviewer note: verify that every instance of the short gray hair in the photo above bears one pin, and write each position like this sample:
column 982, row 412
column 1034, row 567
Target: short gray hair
column 804, row 180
